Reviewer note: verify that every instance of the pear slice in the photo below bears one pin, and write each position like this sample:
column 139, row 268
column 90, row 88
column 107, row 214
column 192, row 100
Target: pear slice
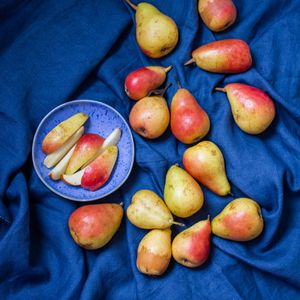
column 52, row 159
column 61, row 167
column 96, row 173
column 111, row 140
column 62, row 132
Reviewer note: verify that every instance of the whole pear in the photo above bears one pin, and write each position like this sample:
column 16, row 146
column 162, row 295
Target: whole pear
column 182, row 193
column 241, row 220
column 156, row 33
column 139, row 83
column 148, row 211
column 191, row 247
column 189, row 122
column 252, row 109
column 154, row 252
column 217, row 15
column 93, row 226
column 205, row 162
column 150, row 117
column 224, row 56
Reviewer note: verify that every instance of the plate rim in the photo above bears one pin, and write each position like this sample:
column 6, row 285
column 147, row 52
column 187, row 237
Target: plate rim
column 34, row 147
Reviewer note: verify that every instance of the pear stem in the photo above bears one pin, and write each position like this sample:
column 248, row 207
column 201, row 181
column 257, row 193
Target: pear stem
column 168, row 68
column 121, row 203
column 208, row 217
column 159, row 92
column 178, row 82
column 220, row 89
column 189, row 62
column 231, row 194
column 131, row 4
column 177, row 223
column 165, row 89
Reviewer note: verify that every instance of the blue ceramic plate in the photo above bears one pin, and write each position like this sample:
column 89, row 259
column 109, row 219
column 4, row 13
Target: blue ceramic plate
column 103, row 119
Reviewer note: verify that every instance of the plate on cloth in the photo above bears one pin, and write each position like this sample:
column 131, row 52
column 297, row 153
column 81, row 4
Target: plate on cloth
column 103, row 119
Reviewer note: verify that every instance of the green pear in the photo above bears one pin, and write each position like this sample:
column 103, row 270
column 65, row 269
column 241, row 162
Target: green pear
column 182, row 193
column 156, row 33
column 205, row 163
column 241, row 220
column 154, row 252
column 148, row 211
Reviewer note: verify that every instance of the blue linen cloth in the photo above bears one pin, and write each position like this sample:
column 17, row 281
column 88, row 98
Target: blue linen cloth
column 56, row 51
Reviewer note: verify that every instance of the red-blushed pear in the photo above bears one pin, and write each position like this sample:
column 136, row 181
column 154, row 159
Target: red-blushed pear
column 93, row 226
column 189, row 121
column 86, row 148
column 217, row 15
column 154, row 252
column 224, row 56
column 205, row 163
column 150, row 116
column 252, row 109
column 139, row 83
column 96, row 174
column 53, row 158
column 191, row 247
column 241, row 220
column 62, row 132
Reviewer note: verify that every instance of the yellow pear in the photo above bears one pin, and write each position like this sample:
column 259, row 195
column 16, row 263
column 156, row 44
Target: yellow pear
column 148, row 211
column 205, row 163
column 154, row 252
column 156, row 33
column 182, row 193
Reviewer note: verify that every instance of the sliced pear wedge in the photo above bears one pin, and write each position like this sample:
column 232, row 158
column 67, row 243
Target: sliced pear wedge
column 61, row 167
column 52, row 159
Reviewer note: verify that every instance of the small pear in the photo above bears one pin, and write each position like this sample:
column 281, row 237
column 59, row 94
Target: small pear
column 241, row 220
column 154, row 252
column 139, row 83
column 182, row 193
column 205, row 163
column 156, row 33
column 93, row 226
column 224, row 56
column 252, row 109
column 148, row 211
column 217, row 15
column 150, row 117
column 191, row 247
column 189, row 122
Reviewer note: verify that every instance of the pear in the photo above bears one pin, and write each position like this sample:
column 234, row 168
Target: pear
column 191, row 247
column 93, row 226
column 139, row 83
column 148, row 211
column 182, row 193
column 150, row 117
column 224, row 56
column 156, row 33
column 205, row 163
column 154, row 252
column 217, row 15
column 86, row 148
column 97, row 173
column 241, row 220
column 62, row 132
column 53, row 158
column 189, row 122
column 252, row 109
